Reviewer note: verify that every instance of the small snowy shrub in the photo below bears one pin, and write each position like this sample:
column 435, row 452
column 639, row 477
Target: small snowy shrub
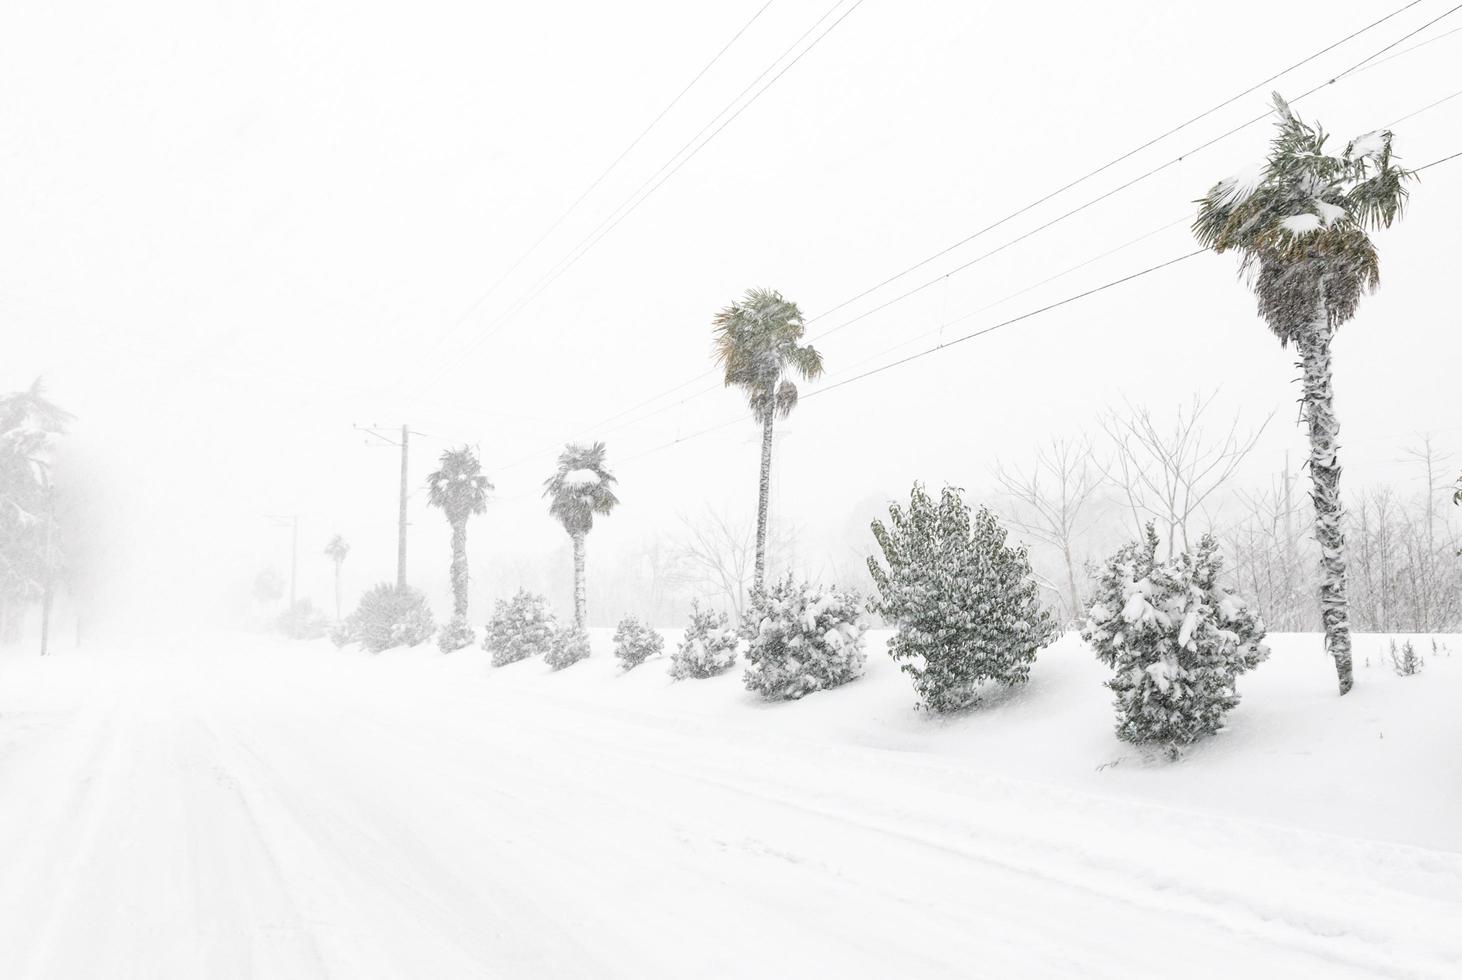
column 709, row 646
column 302, row 621
column 570, row 645
column 1405, row 660
column 521, row 627
column 456, row 635
column 390, row 617
column 962, row 602
column 1175, row 638
column 808, row 638
column 634, row 643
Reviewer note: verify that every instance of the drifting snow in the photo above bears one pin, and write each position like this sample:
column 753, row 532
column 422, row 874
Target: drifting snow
column 265, row 809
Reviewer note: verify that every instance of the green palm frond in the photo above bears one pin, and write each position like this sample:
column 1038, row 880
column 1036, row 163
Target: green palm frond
column 1300, row 221
column 756, row 344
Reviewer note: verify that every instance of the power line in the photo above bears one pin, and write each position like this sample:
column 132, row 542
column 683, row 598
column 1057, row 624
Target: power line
column 486, row 294
column 1094, row 201
column 1092, row 173
column 637, row 198
column 1256, row 86
column 983, row 331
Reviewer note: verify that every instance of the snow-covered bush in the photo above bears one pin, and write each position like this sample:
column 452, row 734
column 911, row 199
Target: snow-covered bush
column 807, row 638
column 634, row 642
column 455, row 635
column 709, row 646
column 570, row 645
column 521, row 627
column 1176, row 639
column 1405, row 661
column 389, row 617
column 302, row 621
column 963, row 603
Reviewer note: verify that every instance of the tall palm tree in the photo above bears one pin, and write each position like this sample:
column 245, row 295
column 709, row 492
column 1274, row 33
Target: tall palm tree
column 576, row 492
column 1300, row 224
column 460, row 489
column 756, row 344
column 336, row 550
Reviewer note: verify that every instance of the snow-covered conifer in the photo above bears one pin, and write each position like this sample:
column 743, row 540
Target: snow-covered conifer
column 521, row 627
column 634, row 642
column 963, row 603
column 807, row 638
column 709, row 646
column 1176, row 639
column 388, row 617
column 569, row 645
column 302, row 621
column 455, row 635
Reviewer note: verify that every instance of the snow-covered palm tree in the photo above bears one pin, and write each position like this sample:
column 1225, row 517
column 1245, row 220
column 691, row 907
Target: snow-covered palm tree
column 756, row 343
column 1300, row 223
column 460, row 489
column 579, row 489
column 336, row 549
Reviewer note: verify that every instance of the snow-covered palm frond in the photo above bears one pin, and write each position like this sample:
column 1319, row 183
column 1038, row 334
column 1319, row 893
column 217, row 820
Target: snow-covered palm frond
column 756, row 344
column 581, row 488
column 1300, row 221
column 459, row 487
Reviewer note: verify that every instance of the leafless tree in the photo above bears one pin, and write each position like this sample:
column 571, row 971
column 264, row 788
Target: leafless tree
column 1266, row 546
column 718, row 553
column 1170, row 474
column 1051, row 496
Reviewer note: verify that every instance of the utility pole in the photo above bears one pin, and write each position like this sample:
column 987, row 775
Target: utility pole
column 405, row 444
column 292, row 521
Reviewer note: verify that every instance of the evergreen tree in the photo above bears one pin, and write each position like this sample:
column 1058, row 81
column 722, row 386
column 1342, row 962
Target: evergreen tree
column 388, row 616
column 29, row 425
column 634, row 643
column 1300, row 224
column 756, row 346
column 807, row 638
column 576, row 492
column 336, row 550
column 963, row 603
column 1175, row 639
column 568, row 646
column 459, row 489
column 521, row 627
column 708, row 647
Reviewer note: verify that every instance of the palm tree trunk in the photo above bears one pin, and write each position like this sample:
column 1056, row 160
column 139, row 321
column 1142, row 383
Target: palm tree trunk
column 459, row 569
column 337, row 592
column 764, row 492
column 581, row 597
column 1319, row 409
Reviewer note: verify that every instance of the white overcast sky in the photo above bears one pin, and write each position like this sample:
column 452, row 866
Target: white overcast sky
column 232, row 230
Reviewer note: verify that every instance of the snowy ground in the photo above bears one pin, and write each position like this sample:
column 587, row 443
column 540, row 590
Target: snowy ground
column 247, row 807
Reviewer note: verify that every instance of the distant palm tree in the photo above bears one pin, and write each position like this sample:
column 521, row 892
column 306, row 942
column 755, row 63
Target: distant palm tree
column 460, row 489
column 579, row 490
column 336, row 550
column 1299, row 222
column 756, row 344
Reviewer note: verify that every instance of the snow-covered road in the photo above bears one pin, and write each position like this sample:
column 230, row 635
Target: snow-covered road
column 280, row 812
